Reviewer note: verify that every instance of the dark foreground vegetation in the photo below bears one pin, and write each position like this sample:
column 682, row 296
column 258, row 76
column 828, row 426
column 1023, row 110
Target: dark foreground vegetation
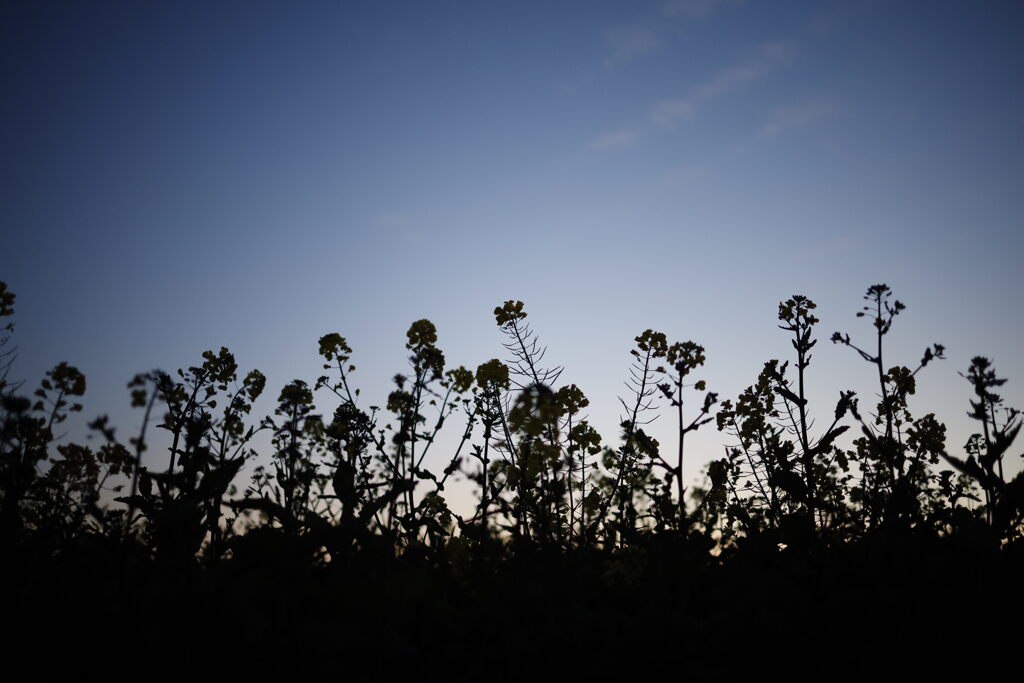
column 866, row 547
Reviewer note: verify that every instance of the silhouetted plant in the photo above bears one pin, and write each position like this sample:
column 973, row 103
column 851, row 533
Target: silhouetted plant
column 896, row 450
column 492, row 380
column 1000, row 424
column 758, row 468
column 532, row 441
column 25, row 439
column 185, row 503
column 352, row 438
column 7, row 352
column 582, row 441
column 683, row 358
column 780, row 478
column 58, row 497
column 631, row 464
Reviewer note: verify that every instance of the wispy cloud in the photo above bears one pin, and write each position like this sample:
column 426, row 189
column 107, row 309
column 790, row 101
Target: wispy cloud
column 629, row 42
column 622, row 44
column 669, row 112
column 789, row 117
column 615, row 139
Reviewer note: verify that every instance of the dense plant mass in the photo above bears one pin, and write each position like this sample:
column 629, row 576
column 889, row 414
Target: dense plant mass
column 341, row 543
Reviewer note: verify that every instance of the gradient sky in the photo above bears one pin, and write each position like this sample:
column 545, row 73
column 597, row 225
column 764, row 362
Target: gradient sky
column 180, row 176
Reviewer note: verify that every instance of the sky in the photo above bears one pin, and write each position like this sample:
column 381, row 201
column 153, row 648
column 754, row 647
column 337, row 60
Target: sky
column 179, row 176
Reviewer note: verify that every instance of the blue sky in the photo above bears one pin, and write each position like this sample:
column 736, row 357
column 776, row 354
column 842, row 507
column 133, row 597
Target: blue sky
column 181, row 176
